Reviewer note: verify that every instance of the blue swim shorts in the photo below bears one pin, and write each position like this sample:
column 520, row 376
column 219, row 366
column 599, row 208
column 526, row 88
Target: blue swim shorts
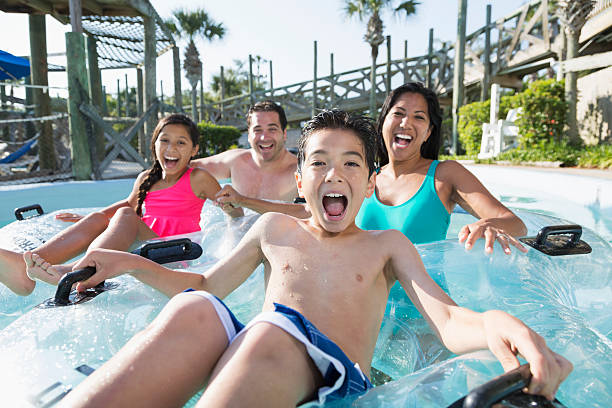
column 341, row 377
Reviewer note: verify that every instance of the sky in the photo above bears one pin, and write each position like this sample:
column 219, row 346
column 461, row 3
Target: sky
column 279, row 30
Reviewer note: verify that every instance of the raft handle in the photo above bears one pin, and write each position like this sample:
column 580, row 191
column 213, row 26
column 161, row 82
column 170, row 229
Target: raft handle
column 180, row 249
column 574, row 231
column 19, row 211
column 64, row 287
column 556, row 240
column 506, row 389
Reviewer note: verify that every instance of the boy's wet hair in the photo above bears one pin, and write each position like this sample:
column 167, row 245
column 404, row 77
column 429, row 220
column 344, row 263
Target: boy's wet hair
column 431, row 148
column 155, row 172
column 268, row 106
column 362, row 126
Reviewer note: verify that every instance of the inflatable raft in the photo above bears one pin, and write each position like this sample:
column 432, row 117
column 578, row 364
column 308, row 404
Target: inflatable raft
column 46, row 352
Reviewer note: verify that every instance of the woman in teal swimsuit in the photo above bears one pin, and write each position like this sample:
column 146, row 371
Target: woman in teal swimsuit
column 415, row 193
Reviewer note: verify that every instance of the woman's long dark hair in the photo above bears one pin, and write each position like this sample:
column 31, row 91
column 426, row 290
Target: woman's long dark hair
column 431, row 148
column 155, row 172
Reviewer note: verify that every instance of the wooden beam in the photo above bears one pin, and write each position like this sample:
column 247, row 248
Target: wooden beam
column 93, row 7
column 587, row 62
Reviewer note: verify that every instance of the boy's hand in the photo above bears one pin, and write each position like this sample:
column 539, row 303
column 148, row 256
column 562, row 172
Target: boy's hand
column 68, row 217
column 108, row 264
column 507, row 336
column 484, row 229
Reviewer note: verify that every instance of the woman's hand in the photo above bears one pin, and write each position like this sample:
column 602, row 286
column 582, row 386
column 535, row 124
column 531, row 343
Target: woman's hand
column 485, row 229
column 68, row 217
column 507, row 336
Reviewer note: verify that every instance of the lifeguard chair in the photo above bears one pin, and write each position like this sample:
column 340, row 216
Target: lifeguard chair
column 498, row 135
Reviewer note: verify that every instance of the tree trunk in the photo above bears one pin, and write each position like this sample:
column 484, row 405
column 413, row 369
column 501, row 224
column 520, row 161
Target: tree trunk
column 194, row 108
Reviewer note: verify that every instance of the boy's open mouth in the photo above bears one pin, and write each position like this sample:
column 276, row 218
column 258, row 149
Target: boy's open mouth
column 335, row 205
column 402, row 140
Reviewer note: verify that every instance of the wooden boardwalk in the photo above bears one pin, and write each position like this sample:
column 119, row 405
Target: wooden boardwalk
column 501, row 51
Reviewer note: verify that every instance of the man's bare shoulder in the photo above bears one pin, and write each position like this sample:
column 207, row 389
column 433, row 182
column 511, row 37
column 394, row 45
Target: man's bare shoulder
column 223, row 157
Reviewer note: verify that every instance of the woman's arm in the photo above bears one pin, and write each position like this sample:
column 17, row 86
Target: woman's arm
column 496, row 222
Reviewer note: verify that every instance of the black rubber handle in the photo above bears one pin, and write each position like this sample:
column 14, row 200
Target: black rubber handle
column 497, row 388
column 64, row 287
column 185, row 243
column 574, row 230
column 19, row 211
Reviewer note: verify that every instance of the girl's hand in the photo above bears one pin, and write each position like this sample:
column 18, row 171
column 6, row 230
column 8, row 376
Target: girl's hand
column 507, row 336
column 68, row 217
column 108, row 264
column 483, row 228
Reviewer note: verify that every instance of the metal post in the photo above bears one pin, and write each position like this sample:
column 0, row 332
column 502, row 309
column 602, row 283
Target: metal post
column 430, row 59
column 271, row 80
column 127, row 98
column 405, row 61
column 314, row 82
column 459, row 70
column 388, row 83
column 118, row 99
column 161, row 98
column 201, row 117
column 178, row 95
column 332, row 81
column 486, row 79
column 104, row 103
column 142, row 149
column 39, row 76
column 222, row 102
column 149, row 77
column 251, row 98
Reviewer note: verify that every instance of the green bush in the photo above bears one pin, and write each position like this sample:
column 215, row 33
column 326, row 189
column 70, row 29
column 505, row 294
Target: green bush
column 596, row 156
column 544, row 113
column 216, row 139
column 473, row 115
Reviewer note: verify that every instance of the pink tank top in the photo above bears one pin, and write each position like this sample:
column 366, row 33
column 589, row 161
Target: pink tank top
column 173, row 210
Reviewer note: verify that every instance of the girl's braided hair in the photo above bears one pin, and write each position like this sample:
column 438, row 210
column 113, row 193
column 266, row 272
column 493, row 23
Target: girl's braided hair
column 155, row 172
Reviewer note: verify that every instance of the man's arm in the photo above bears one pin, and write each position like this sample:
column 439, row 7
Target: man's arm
column 462, row 330
column 220, row 280
column 229, row 195
column 219, row 165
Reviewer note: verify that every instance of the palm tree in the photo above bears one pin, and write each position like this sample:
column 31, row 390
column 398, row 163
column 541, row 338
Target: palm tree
column 573, row 14
column 192, row 24
column 374, row 33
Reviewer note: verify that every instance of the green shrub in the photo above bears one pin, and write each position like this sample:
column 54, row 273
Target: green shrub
column 596, row 156
column 216, row 139
column 544, row 112
column 473, row 115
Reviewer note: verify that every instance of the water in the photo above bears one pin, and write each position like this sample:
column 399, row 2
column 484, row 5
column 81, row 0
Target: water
column 566, row 299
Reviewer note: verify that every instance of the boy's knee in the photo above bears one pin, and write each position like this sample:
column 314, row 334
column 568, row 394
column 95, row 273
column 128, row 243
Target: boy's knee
column 188, row 312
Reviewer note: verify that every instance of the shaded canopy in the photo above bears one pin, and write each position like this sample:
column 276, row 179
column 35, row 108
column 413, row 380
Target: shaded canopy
column 117, row 26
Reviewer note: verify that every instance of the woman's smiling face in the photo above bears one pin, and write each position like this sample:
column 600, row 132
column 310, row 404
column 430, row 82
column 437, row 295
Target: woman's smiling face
column 406, row 126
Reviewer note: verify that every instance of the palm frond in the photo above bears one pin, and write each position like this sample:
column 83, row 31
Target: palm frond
column 409, row 7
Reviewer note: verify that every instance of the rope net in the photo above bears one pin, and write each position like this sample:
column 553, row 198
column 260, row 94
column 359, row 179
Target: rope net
column 120, row 40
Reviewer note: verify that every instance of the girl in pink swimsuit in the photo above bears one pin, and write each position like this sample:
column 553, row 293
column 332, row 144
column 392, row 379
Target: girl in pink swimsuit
column 166, row 199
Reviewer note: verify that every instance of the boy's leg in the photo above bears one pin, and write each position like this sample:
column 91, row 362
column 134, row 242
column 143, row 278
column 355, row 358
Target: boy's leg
column 162, row 366
column 263, row 367
column 63, row 246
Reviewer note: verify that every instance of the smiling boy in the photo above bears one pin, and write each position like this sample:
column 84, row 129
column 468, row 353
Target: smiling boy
column 327, row 283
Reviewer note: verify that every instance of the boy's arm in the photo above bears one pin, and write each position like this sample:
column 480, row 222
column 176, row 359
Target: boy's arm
column 462, row 330
column 229, row 195
column 220, row 280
